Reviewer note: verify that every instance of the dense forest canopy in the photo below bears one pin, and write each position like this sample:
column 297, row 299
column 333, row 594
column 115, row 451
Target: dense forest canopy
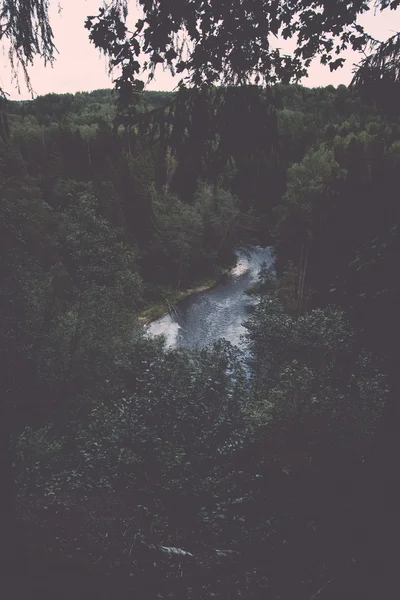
column 193, row 474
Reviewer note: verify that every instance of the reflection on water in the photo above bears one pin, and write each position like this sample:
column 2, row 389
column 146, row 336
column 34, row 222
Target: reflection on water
column 219, row 313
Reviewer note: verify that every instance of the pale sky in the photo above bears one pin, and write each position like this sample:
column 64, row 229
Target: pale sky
column 80, row 67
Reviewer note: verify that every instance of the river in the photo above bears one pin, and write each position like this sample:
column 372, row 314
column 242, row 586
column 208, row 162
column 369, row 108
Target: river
column 205, row 317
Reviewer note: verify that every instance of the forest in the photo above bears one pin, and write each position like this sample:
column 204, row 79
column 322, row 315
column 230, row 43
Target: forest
column 167, row 473
column 133, row 468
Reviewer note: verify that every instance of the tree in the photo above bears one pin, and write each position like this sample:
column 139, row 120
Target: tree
column 220, row 212
column 306, row 206
column 163, row 442
column 227, row 42
column 210, row 42
column 25, row 222
column 378, row 74
column 69, row 292
column 25, row 25
column 179, row 230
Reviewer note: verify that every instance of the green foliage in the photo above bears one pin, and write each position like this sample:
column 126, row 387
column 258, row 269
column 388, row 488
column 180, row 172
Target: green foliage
column 309, row 192
column 179, row 231
column 222, row 472
column 37, row 453
column 378, row 75
column 314, row 370
column 199, row 473
column 196, row 39
column 70, row 290
column 156, row 443
column 189, row 451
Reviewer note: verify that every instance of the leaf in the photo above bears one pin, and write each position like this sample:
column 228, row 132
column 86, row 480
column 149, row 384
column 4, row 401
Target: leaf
column 156, row 58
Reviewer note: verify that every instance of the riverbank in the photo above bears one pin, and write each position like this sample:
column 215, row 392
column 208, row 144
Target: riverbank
column 165, row 298
column 219, row 311
column 169, row 297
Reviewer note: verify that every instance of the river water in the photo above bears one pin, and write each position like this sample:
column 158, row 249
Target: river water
column 203, row 318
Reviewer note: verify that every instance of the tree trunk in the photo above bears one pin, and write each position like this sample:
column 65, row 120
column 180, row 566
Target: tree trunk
column 180, row 271
column 299, row 281
column 74, row 344
column 302, row 306
column 89, row 155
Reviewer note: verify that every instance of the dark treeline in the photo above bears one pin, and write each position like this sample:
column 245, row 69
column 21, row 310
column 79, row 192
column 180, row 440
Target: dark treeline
column 172, row 474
